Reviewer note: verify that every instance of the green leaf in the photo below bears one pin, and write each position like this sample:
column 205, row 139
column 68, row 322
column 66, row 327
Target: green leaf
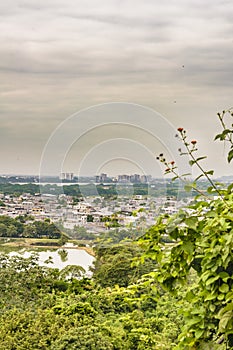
column 224, row 288
column 223, row 135
column 210, row 296
column 229, row 307
column 193, row 320
column 210, row 189
column 211, row 214
column 230, row 156
column 197, row 178
column 224, row 276
column 199, row 333
column 212, row 280
column 192, row 222
column 188, row 187
column 224, row 321
column 205, row 275
column 218, row 136
column 190, row 296
column 212, row 307
column 200, row 158
column 229, row 296
column 188, row 247
column 229, row 188
column 191, row 162
column 210, row 172
column 226, row 131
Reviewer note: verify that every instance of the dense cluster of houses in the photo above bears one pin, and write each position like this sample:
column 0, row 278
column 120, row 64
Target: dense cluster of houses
column 90, row 213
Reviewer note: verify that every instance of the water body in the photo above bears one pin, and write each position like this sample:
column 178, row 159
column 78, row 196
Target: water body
column 59, row 257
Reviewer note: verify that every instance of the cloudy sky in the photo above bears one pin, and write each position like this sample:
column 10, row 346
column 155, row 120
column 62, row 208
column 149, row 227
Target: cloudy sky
column 58, row 57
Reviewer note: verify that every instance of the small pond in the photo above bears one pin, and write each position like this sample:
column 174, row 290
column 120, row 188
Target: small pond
column 60, row 257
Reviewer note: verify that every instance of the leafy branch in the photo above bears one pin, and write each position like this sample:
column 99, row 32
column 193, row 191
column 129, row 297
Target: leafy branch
column 171, row 169
column 190, row 149
column 227, row 134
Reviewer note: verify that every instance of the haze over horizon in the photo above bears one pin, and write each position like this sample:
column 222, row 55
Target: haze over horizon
column 59, row 57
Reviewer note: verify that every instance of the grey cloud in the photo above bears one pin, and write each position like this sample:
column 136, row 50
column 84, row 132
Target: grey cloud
column 57, row 56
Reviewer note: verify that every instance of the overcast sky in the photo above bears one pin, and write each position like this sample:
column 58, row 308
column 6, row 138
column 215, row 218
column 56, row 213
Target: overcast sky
column 58, row 57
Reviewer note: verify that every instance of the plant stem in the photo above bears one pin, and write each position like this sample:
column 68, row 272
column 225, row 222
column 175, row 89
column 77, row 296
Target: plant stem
column 201, row 169
column 224, row 125
column 185, row 182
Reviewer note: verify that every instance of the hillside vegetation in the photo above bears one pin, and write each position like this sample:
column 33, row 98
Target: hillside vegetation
column 144, row 294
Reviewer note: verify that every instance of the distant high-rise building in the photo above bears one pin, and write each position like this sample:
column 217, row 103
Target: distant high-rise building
column 123, row 178
column 67, row 176
column 135, row 178
column 101, row 178
column 144, row 179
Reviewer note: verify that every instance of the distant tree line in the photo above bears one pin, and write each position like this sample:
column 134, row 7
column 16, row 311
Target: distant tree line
column 110, row 191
